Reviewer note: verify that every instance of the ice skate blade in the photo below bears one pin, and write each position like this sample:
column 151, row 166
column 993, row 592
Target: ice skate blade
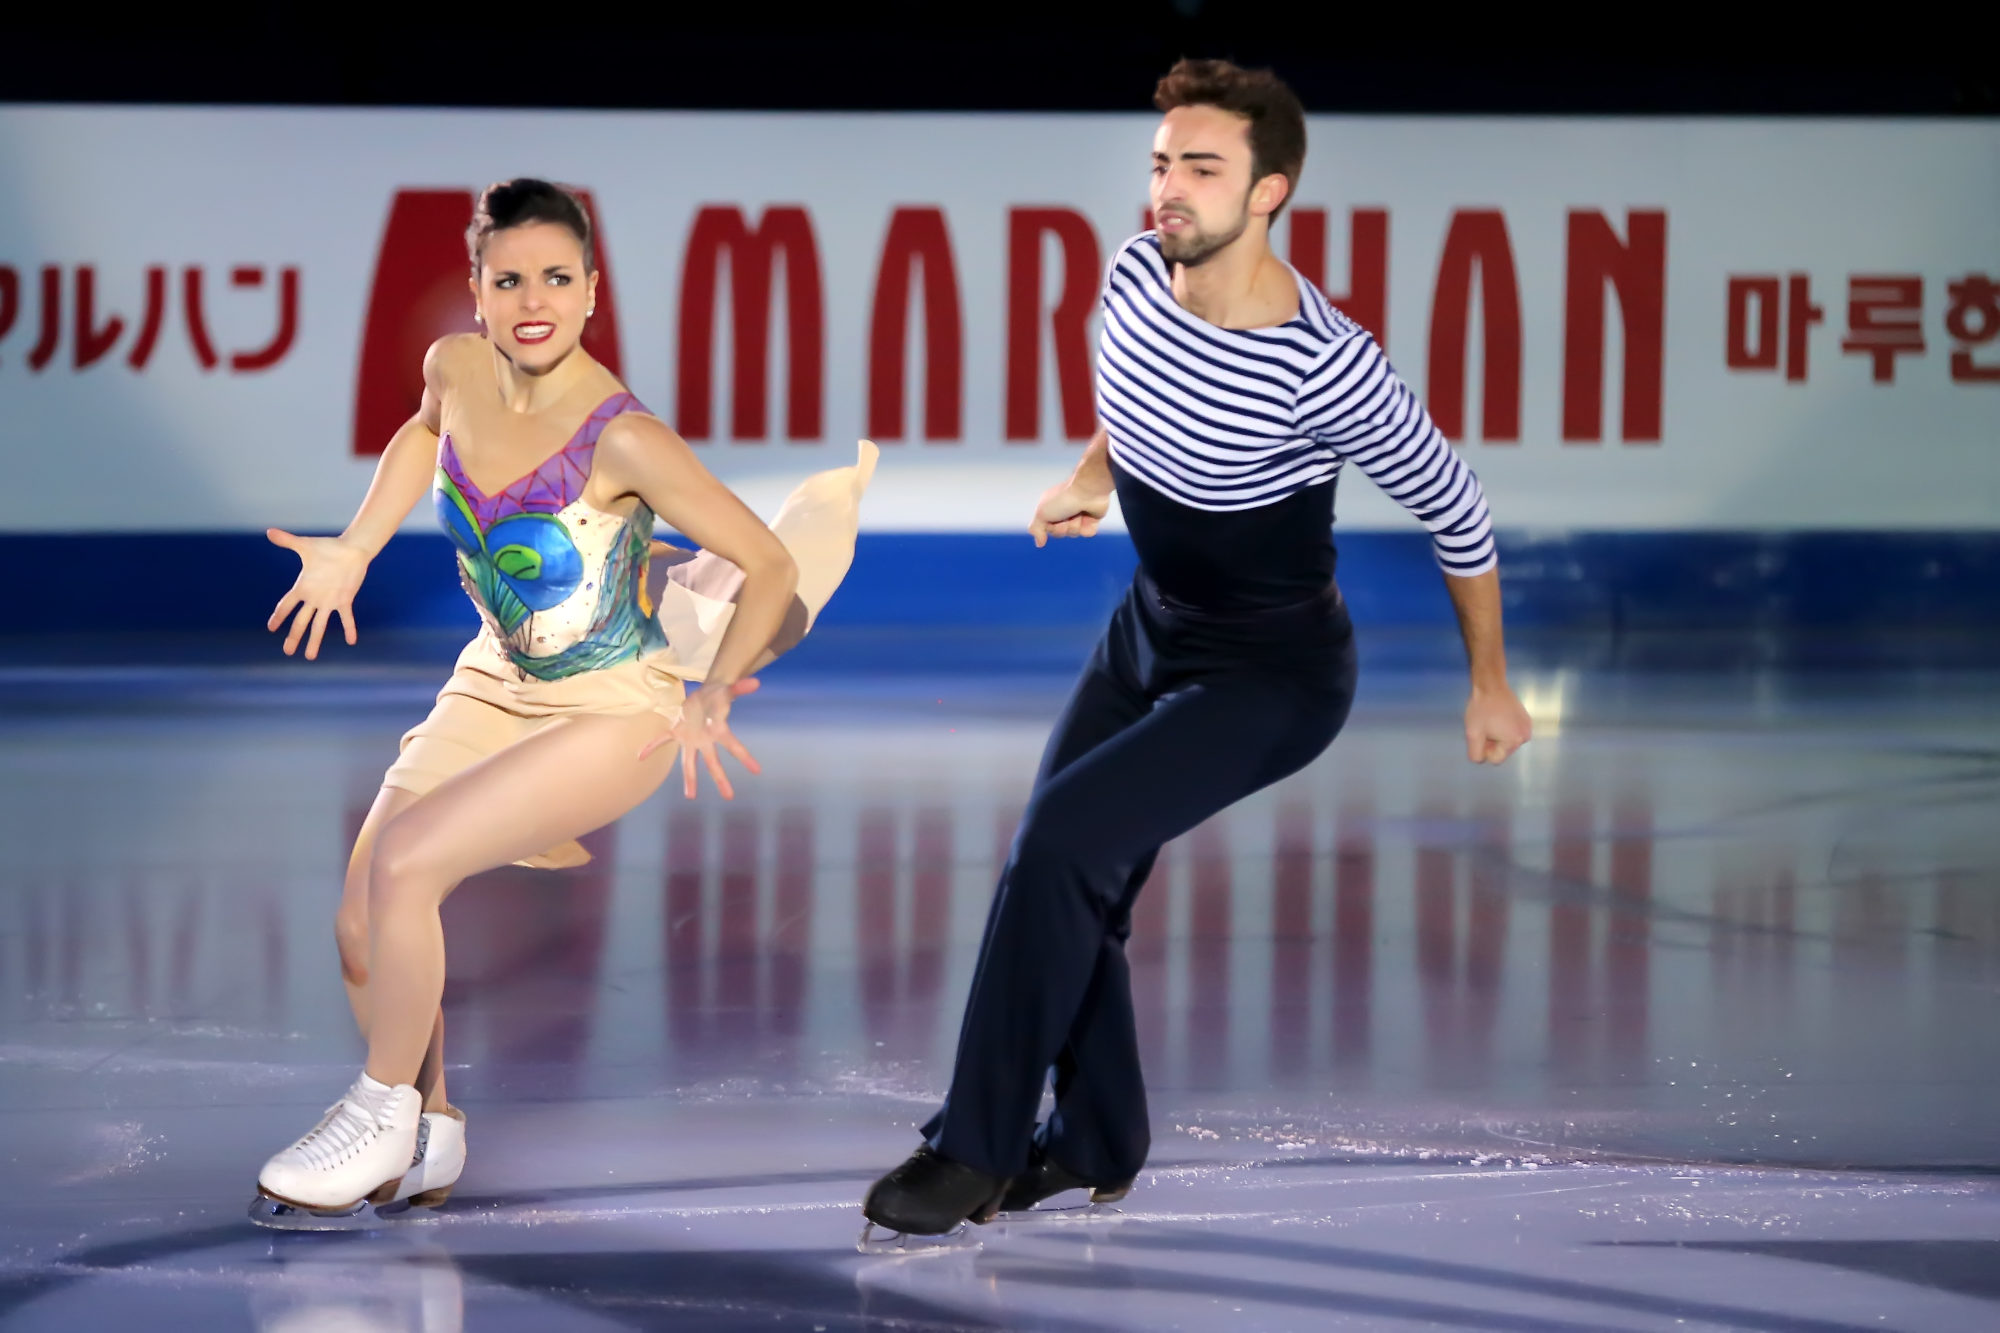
column 902, row 1242
column 278, row 1215
column 1043, row 1215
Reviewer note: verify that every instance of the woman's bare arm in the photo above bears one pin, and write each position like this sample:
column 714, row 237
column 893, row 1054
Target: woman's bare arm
column 331, row 568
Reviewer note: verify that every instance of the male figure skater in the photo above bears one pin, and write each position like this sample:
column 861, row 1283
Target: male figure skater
column 1231, row 394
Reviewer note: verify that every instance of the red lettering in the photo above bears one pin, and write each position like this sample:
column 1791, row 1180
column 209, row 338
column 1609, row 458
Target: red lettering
column 786, row 230
column 288, row 319
column 1068, row 322
column 1477, row 237
column 916, row 236
column 92, row 342
column 155, row 316
column 419, row 295
column 1972, row 317
column 197, row 320
column 44, row 350
column 1800, row 315
column 1367, row 299
column 1742, row 354
column 1637, row 272
column 1884, row 320
column 10, row 298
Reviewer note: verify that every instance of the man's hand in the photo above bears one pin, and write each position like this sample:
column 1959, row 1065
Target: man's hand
column 1496, row 725
column 1067, row 510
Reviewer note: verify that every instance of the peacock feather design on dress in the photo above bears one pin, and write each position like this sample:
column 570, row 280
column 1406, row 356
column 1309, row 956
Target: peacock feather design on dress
column 520, row 565
column 561, row 584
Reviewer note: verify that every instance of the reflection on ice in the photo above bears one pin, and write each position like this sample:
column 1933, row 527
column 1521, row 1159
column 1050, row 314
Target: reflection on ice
column 1703, row 992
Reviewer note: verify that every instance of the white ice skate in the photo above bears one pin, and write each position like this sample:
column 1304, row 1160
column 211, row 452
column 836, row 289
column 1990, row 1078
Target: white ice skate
column 364, row 1146
column 440, row 1159
column 439, row 1162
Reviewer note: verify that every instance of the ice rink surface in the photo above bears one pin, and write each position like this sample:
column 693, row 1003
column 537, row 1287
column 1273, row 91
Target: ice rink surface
column 1688, row 1018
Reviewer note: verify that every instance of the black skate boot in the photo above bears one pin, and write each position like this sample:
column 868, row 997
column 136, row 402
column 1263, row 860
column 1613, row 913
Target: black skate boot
column 929, row 1195
column 1045, row 1178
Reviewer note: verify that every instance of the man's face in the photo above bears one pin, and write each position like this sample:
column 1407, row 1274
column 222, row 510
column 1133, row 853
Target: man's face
column 1201, row 181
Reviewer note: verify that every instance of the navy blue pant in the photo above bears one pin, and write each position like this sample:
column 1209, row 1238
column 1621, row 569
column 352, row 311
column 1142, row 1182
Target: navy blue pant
column 1175, row 718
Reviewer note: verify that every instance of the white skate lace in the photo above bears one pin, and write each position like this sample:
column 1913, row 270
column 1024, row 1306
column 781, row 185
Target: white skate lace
column 344, row 1128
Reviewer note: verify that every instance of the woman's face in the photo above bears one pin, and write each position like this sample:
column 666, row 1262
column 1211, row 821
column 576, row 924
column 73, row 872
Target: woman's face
column 533, row 293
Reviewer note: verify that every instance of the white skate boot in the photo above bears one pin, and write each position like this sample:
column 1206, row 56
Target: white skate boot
column 364, row 1145
column 440, row 1160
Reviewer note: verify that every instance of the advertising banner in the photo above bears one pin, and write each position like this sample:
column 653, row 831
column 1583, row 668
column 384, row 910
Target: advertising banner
column 212, row 319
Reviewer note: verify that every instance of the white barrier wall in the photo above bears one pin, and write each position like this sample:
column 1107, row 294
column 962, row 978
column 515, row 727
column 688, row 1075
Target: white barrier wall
column 207, row 317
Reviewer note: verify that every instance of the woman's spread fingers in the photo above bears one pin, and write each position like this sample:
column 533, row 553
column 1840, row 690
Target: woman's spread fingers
column 742, row 754
column 318, row 632
column 715, row 770
column 298, row 632
column 286, row 605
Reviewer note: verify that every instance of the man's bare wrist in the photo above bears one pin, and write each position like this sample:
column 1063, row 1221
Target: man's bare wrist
column 1095, row 486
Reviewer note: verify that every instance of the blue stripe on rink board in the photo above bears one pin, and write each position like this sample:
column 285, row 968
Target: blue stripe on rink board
column 70, row 583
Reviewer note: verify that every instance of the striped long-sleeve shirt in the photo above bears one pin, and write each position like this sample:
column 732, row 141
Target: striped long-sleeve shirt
column 1227, row 444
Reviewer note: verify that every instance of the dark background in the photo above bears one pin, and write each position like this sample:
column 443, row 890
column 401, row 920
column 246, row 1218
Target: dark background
column 1033, row 55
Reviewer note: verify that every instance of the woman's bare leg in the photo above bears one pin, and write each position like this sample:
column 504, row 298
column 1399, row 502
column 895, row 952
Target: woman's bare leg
column 575, row 776
column 351, row 932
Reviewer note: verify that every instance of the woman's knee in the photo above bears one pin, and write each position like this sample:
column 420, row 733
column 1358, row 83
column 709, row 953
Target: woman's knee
column 350, row 935
column 397, row 869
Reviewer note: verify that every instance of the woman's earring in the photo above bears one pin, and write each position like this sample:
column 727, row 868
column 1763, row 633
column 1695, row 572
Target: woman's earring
column 588, row 313
column 478, row 318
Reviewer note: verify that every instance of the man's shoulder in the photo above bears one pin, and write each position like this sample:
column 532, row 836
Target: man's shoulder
column 1136, row 255
column 1328, row 325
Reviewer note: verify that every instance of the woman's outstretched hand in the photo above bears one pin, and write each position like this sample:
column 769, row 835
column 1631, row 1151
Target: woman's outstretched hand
column 330, row 573
column 704, row 725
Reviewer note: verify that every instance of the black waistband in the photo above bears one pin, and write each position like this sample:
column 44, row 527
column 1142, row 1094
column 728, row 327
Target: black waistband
column 1317, row 607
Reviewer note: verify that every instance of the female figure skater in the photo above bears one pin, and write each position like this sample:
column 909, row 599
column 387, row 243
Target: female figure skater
column 568, row 707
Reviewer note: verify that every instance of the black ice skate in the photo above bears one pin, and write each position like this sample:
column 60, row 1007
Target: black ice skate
column 1045, row 1178
column 929, row 1195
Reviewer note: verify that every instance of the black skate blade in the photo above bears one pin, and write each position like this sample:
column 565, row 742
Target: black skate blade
column 281, row 1216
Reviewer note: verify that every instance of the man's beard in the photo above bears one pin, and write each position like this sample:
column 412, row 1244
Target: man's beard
column 1197, row 247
